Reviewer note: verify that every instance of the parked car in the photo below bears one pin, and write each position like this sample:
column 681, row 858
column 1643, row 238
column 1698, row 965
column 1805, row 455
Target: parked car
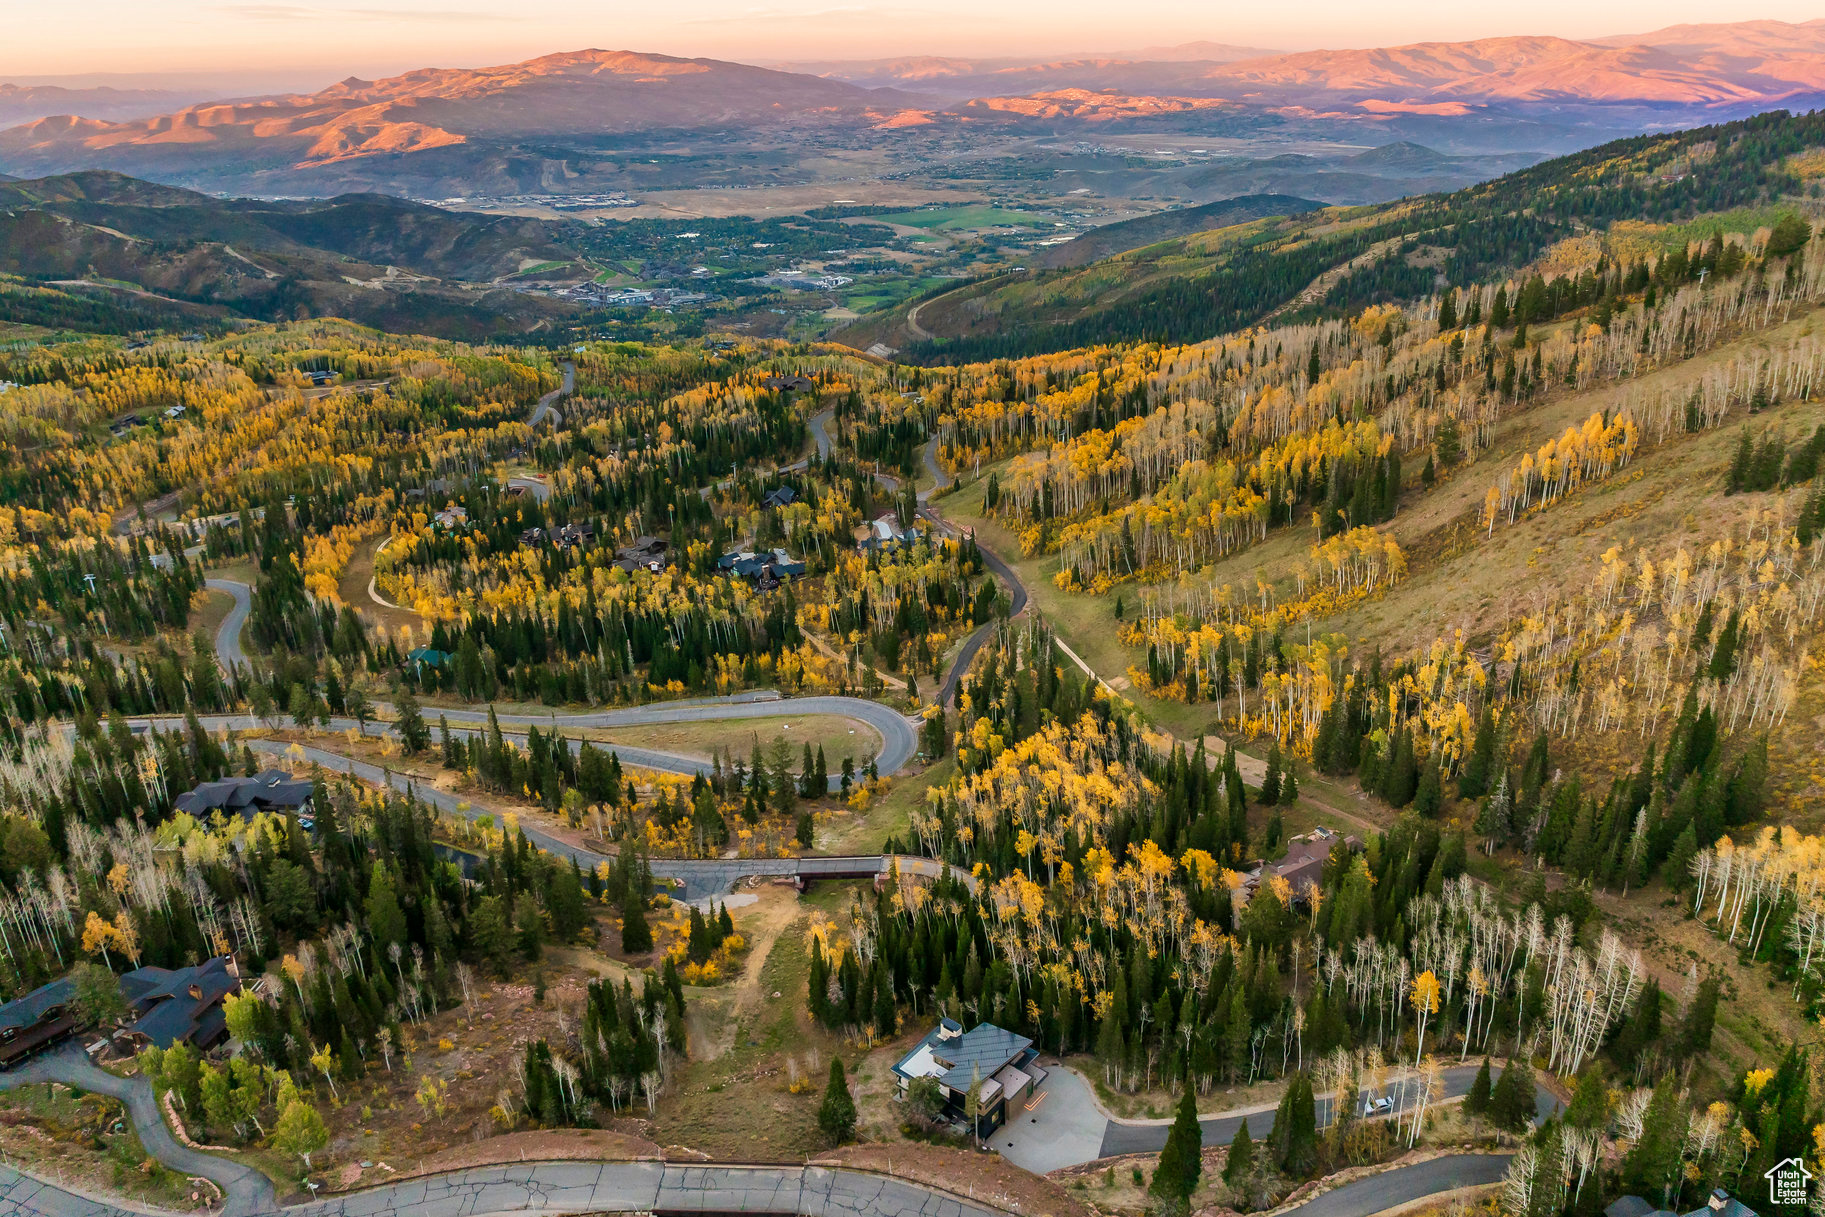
column 1372, row 1106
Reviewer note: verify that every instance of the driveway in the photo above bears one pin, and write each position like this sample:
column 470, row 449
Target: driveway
column 1059, row 1126
column 245, row 1190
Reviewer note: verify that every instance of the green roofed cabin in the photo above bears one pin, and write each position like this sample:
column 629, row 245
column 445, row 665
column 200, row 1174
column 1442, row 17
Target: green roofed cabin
column 1002, row 1062
column 426, row 657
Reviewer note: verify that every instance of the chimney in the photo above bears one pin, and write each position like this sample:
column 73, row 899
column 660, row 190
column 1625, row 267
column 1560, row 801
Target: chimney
column 1719, row 1198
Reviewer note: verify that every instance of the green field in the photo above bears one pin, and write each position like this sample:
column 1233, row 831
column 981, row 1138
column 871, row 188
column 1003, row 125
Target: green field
column 952, row 219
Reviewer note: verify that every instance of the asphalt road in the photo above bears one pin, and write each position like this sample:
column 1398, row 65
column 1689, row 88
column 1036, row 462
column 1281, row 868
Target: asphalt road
column 899, row 737
column 245, row 1189
column 1017, row 604
column 547, row 407
column 940, row 479
column 700, row 876
column 228, row 650
column 578, row 1187
column 1390, row 1189
column 1132, row 1137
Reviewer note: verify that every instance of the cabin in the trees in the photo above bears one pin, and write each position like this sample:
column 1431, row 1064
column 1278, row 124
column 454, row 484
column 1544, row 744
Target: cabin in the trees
column 646, row 553
column 1720, row 1204
column 884, row 534
column 429, row 657
column 1302, row 867
column 270, row 790
column 184, row 1005
column 766, row 569
column 782, row 497
column 1000, row 1063
column 43, row 1017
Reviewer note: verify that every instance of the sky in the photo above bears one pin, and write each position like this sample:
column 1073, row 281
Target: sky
column 294, row 43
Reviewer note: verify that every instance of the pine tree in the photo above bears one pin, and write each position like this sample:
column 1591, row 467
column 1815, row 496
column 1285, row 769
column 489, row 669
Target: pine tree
column 1241, row 1156
column 636, row 934
column 1270, row 782
column 1696, row 1028
column 836, row 1114
column 1181, row 1162
column 1652, row 1164
column 414, row 736
column 1297, row 1137
column 1511, row 1103
column 1740, row 464
column 1473, row 781
column 1477, row 1101
column 1237, row 1031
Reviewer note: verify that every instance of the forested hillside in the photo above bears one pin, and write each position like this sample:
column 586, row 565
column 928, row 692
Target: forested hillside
column 1192, row 288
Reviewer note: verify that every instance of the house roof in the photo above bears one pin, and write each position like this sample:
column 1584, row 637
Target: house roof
column 180, row 1004
column 1723, row 1205
column 268, row 790
column 1628, row 1206
column 956, row 1057
column 24, row 1012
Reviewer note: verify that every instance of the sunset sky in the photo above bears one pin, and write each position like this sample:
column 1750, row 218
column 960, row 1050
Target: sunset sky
column 372, row 37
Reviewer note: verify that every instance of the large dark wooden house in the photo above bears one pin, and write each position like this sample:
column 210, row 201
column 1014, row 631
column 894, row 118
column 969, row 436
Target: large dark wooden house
column 39, row 1019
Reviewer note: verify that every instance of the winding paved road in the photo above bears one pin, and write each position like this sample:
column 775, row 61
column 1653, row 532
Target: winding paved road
column 228, row 650
column 547, row 407
column 245, row 1189
column 899, row 735
column 1391, row 1189
column 577, row 1187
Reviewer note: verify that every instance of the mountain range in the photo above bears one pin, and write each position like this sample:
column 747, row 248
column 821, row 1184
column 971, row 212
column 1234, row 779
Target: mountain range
column 378, row 260
column 567, row 123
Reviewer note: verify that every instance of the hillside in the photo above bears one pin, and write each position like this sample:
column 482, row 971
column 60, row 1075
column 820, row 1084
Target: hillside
column 1112, row 239
column 1192, row 287
column 369, row 258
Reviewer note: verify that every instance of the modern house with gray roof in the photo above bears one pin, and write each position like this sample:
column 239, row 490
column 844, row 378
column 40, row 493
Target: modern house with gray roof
column 1719, row 1204
column 997, row 1060
column 272, row 790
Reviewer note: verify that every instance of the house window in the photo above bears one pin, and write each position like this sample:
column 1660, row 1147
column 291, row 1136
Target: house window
column 6, row 1035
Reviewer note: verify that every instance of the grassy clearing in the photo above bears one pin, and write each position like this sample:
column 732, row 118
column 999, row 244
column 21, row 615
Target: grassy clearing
column 951, row 219
column 353, row 589
column 208, row 609
column 890, row 816
column 738, row 1104
column 240, row 570
column 87, row 1141
column 736, row 738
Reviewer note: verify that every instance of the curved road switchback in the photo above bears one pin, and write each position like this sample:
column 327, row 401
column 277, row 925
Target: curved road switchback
column 245, row 1190
column 228, row 650
column 899, row 737
column 547, row 407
